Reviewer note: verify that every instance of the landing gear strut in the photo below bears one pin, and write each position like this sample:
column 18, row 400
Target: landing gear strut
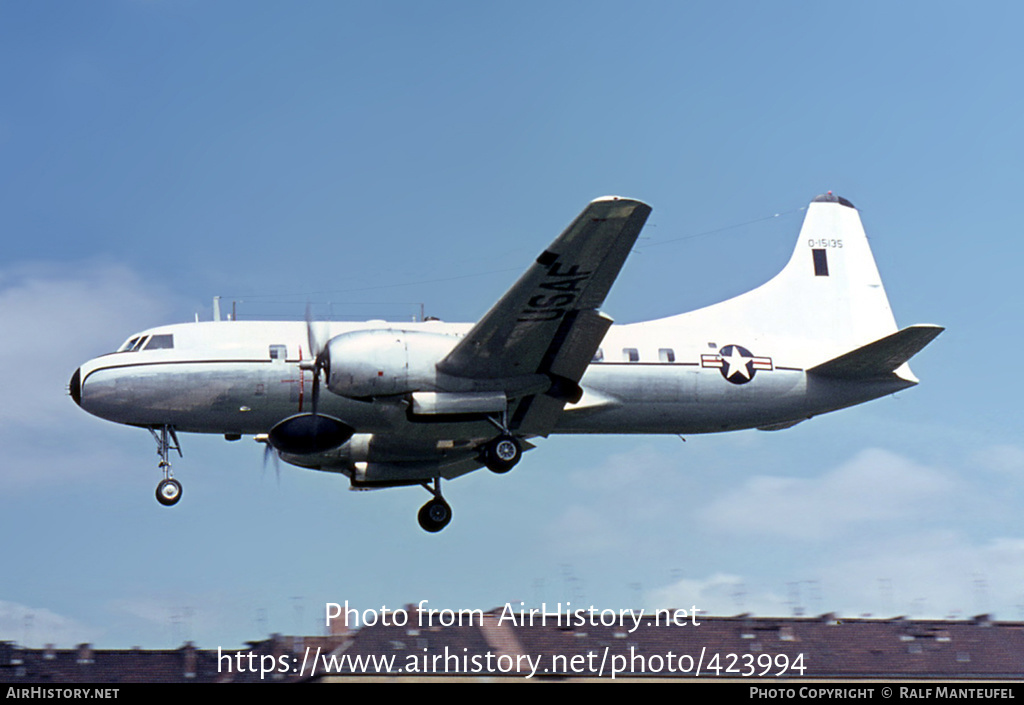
column 435, row 514
column 168, row 492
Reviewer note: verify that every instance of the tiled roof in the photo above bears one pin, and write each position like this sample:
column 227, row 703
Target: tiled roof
column 827, row 648
column 187, row 664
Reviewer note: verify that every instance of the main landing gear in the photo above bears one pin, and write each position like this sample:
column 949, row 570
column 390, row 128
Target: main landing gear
column 502, row 454
column 435, row 514
column 499, row 455
column 168, row 492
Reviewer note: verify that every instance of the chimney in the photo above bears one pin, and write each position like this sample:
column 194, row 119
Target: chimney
column 189, row 652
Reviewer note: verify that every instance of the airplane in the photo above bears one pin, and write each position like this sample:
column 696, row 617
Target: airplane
column 420, row 402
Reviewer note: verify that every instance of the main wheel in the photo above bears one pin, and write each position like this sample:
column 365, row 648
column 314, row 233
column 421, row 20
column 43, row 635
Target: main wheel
column 502, row 454
column 168, row 492
column 435, row 515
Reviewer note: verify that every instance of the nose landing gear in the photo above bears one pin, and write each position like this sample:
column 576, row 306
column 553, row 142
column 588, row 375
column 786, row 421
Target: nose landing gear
column 168, row 492
column 435, row 514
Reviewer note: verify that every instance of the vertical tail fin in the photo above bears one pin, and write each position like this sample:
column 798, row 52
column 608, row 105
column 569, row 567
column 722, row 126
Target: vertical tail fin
column 828, row 299
column 830, row 288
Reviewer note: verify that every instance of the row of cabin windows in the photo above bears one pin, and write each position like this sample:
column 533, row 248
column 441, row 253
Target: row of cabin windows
column 633, row 355
column 280, row 352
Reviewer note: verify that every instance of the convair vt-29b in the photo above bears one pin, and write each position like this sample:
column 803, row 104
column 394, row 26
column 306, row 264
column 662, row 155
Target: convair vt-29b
column 391, row 404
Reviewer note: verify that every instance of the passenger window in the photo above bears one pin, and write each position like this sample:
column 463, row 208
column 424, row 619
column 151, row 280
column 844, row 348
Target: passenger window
column 278, row 352
column 667, row 355
column 630, row 355
column 160, row 342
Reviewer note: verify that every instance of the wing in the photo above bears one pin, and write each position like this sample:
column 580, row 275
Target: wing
column 547, row 326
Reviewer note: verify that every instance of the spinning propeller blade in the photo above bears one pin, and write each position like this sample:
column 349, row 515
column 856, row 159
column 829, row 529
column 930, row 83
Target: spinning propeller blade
column 268, row 453
column 318, row 349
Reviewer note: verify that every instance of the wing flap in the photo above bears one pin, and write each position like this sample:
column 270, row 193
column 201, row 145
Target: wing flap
column 881, row 357
column 571, row 356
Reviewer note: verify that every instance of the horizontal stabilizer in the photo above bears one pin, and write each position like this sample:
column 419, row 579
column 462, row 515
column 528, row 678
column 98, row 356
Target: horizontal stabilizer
column 881, row 357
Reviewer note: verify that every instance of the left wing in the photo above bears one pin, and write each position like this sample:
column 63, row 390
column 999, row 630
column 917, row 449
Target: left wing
column 547, row 325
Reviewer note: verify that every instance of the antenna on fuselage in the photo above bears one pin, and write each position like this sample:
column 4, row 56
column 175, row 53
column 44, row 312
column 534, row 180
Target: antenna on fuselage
column 216, row 308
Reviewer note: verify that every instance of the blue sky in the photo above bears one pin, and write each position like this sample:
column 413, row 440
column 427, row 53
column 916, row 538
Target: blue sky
column 373, row 157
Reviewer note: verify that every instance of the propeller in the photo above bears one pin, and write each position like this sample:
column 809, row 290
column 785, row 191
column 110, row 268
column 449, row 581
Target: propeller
column 306, row 433
column 270, row 452
column 321, row 361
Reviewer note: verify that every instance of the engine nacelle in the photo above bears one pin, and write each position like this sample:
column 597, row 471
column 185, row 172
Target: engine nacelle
column 384, row 362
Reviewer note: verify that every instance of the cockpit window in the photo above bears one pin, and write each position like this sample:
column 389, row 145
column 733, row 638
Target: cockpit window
column 160, row 342
column 140, row 341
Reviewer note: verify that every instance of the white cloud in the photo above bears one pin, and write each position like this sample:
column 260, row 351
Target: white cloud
column 1005, row 458
column 926, row 574
column 580, row 529
column 36, row 627
column 175, row 618
column 54, row 317
column 930, row 574
column 875, row 486
column 880, row 533
column 619, row 502
column 719, row 594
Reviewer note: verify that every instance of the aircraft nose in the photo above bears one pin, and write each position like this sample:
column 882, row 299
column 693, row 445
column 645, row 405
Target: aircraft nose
column 75, row 386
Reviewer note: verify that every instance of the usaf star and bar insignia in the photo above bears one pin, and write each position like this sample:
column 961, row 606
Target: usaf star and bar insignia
column 737, row 364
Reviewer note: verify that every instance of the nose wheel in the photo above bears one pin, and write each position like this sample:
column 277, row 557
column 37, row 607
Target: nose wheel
column 435, row 514
column 168, row 492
